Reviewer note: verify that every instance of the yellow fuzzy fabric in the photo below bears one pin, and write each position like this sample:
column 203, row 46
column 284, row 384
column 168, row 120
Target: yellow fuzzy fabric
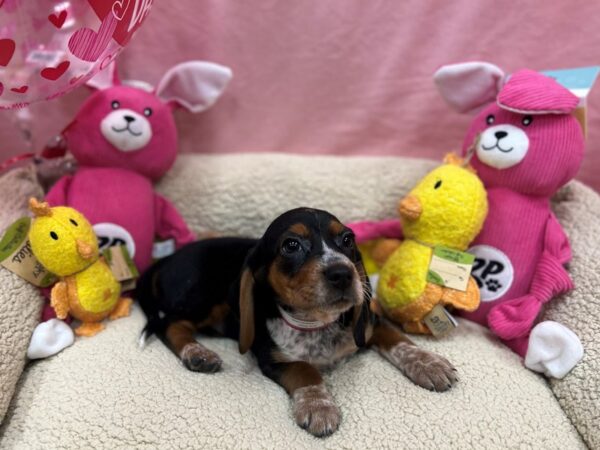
column 60, row 256
column 97, row 289
column 64, row 242
column 453, row 208
column 454, row 213
column 403, row 277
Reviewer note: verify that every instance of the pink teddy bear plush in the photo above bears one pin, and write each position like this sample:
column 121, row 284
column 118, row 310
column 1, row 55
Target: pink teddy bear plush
column 527, row 146
column 124, row 139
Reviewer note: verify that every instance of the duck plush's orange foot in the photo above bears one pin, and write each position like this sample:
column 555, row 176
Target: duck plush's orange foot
column 122, row 309
column 415, row 328
column 89, row 329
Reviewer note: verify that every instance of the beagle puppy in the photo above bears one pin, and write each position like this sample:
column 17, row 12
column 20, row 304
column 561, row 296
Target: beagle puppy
column 298, row 298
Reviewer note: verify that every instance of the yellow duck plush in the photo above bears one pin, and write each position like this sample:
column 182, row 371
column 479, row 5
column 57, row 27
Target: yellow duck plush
column 447, row 208
column 64, row 242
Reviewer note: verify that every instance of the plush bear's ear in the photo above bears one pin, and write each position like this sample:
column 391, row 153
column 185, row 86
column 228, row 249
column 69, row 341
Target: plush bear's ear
column 106, row 78
column 468, row 86
column 194, row 85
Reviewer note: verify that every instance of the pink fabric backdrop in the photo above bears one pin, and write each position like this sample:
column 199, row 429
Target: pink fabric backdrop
column 343, row 76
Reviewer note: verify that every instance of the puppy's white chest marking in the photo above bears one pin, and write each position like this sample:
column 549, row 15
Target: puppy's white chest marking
column 322, row 348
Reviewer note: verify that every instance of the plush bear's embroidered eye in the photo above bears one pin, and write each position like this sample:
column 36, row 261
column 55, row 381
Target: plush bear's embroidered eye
column 115, row 104
column 54, row 236
column 73, row 222
column 527, row 120
column 438, row 184
column 148, row 112
column 490, row 119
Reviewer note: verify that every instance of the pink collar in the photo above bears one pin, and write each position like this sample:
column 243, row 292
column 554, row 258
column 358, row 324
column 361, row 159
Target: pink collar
column 302, row 325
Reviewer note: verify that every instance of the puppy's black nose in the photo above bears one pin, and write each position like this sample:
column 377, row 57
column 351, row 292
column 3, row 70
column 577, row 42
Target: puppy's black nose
column 339, row 276
column 500, row 134
column 130, row 119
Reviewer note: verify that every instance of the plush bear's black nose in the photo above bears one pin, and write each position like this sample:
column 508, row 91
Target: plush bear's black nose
column 500, row 134
column 339, row 276
column 130, row 119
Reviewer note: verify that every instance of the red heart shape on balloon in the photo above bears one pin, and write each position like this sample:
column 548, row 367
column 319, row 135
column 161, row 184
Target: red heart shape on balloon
column 54, row 73
column 7, row 50
column 20, row 90
column 58, row 20
column 88, row 45
column 119, row 8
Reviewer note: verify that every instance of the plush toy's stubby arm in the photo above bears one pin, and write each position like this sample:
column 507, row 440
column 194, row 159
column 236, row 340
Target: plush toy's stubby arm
column 515, row 318
column 169, row 223
column 369, row 230
column 59, row 299
column 58, row 193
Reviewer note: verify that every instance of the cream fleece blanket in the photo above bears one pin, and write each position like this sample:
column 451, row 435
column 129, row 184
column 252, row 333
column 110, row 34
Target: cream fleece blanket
column 105, row 392
column 20, row 303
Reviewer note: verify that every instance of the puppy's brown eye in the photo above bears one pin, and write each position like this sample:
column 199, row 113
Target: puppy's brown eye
column 348, row 241
column 291, row 246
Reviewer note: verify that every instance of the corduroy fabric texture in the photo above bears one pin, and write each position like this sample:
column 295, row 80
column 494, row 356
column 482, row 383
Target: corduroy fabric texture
column 106, row 393
column 529, row 92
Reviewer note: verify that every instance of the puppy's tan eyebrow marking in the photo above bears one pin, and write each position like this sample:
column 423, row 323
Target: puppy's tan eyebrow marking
column 300, row 229
column 336, row 227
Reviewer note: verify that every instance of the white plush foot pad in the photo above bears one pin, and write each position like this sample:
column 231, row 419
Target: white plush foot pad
column 49, row 338
column 553, row 349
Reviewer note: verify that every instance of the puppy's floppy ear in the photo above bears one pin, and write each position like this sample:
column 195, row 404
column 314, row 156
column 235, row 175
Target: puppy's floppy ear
column 362, row 312
column 246, row 310
column 253, row 268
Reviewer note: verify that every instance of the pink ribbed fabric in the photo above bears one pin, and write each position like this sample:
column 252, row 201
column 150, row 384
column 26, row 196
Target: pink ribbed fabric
column 520, row 225
column 529, row 92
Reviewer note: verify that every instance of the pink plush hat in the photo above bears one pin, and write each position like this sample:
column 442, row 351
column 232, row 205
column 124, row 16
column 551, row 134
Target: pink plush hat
column 529, row 92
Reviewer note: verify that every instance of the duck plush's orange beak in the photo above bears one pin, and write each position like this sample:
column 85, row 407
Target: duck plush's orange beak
column 85, row 250
column 410, row 208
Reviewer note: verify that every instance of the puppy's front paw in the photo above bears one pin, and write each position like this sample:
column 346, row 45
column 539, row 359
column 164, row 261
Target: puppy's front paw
column 424, row 368
column 315, row 410
column 198, row 358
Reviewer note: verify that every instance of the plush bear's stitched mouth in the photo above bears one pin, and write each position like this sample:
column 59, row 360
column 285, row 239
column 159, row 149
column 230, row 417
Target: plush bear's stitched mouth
column 497, row 145
column 133, row 133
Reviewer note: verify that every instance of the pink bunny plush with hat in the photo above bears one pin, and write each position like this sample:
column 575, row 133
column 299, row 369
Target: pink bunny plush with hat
column 527, row 146
column 124, row 139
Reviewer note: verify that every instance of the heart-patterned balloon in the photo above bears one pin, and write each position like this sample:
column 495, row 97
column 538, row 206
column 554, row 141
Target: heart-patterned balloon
column 130, row 15
column 88, row 45
column 50, row 47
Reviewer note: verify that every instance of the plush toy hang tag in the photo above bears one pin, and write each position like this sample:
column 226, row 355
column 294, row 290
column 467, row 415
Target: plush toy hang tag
column 122, row 266
column 439, row 321
column 580, row 82
column 450, row 268
column 16, row 255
